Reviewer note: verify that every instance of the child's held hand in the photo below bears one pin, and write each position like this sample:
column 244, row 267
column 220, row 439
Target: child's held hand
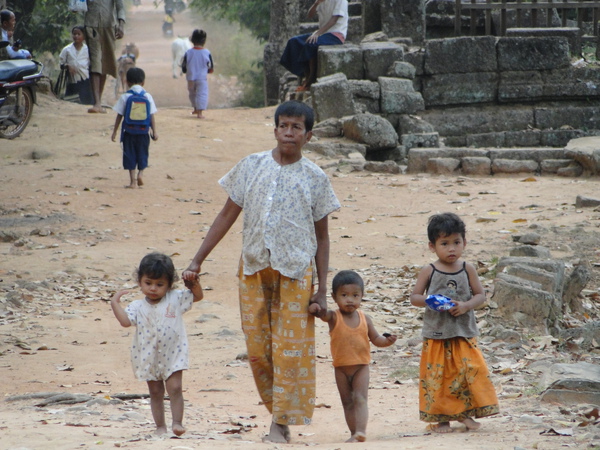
column 191, row 282
column 314, row 309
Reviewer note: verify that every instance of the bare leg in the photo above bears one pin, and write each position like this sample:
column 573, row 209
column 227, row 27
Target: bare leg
column 199, row 114
column 132, row 183
column 353, row 386
column 140, row 181
column 174, row 389
column 157, row 405
column 97, row 80
column 312, row 72
column 278, row 433
column 471, row 424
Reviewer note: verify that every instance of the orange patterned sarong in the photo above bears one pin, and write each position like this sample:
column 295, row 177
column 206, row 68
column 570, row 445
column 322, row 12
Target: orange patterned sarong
column 280, row 338
column 454, row 381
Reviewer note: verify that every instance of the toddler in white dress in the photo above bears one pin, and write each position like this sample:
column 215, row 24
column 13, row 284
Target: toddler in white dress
column 159, row 352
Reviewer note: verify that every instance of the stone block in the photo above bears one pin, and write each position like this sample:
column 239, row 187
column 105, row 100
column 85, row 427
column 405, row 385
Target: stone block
column 405, row 18
column 553, row 165
column 372, row 130
column 332, row 97
column 525, row 306
column 366, row 95
column 549, row 265
column 586, row 151
column 533, row 251
column 420, row 140
column 418, row 157
column 410, row 124
column 532, row 53
column 572, row 392
column 535, row 154
column 443, row 165
column 519, row 281
column 582, row 201
column 572, row 34
column 398, row 96
column 574, row 170
column 417, row 59
column 579, row 116
column 346, row 59
column 522, row 138
column 514, row 166
column 520, row 86
column 396, row 154
column 382, row 167
column 489, row 140
column 460, row 55
column 559, row 138
column 401, row 69
column 454, row 88
column 378, row 57
column 476, row 165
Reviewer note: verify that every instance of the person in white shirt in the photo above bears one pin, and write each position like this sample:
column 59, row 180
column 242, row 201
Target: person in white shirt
column 7, row 25
column 300, row 53
column 75, row 57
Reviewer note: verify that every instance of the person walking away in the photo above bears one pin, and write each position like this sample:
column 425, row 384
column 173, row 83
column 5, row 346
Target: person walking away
column 136, row 109
column 198, row 64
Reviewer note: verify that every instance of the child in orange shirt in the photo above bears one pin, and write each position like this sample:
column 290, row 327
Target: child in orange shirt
column 351, row 330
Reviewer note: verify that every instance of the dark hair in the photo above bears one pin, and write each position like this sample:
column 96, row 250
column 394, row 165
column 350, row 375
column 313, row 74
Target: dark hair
column 5, row 15
column 198, row 37
column 345, row 277
column 157, row 265
column 80, row 28
column 294, row 108
column 445, row 224
column 135, row 75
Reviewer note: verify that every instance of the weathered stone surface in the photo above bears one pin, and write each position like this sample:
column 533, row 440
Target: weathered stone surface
column 410, row 124
column 378, row 57
column 374, row 131
column 405, row 18
column 575, row 283
column 401, row 69
column 533, row 53
column 548, row 281
column 549, row 265
column 332, row 97
column 418, row 157
column 584, row 338
column 442, row 165
column 530, row 239
column 581, row 201
column 561, row 371
column 553, row 165
column 346, row 59
column 417, row 59
column 513, row 279
column 465, row 88
column 574, row 170
column 572, row 392
column 383, row 167
column 514, row 166
column 420, row 140
column 486, row 140
column 476, row 165
column 524, row 306
column 586, row 151
column 399, row 97
column 366, row 95
column 572, row 34
column 522, row 138
column 535, row 251
column 333, row 149
column 534, row 154
column 559, row 138
column 515, row 86
column 328, row 128
column 461, row 55
column 575, row 116
column 396, row 154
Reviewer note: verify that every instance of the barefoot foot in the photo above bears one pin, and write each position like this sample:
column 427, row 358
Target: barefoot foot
column 279, row 434
column 140, row 182
column 178, row 429
column 131, row 186
column 160, row 431
column 96, row 110
column 470, row 424
column 442, row 427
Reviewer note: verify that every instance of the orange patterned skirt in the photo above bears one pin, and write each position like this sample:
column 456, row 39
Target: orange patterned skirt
column 454, row 381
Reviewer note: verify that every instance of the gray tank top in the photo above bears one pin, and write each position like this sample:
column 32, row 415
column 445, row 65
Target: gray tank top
column 442, row 324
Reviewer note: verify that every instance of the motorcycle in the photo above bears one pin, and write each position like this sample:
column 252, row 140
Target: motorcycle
column 18, row 82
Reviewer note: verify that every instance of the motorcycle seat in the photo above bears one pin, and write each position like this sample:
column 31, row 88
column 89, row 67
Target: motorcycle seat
column 16, row 69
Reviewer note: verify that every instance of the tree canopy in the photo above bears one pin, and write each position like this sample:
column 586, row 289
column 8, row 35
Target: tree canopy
column 254, row 15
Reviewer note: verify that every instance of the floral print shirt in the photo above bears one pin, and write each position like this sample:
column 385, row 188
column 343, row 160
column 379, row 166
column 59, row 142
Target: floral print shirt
column 281, row 205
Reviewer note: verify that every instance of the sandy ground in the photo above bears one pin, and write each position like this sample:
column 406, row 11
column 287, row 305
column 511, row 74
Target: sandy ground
column 77, row 236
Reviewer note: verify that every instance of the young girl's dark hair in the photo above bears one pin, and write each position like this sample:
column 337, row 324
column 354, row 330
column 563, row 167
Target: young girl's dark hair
column 198, row 37
column 78, row 27
column 157, row 265
column 344, row 277
column 445, row 224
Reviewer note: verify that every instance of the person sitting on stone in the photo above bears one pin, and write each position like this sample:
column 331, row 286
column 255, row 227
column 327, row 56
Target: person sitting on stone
column 7, row 26
column 300, row 54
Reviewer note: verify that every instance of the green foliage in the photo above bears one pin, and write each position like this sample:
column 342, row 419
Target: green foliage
column 254, row 15
column 43, row 25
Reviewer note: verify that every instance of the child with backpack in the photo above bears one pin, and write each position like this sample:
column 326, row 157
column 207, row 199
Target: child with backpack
column 135, row 108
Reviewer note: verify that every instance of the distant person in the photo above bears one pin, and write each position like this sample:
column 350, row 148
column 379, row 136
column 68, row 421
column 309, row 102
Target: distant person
column 13, row 50
column 75, row 57
column 101, row 31
column 160, row 352
column 351, row 330
column 300, row 54
column 286, row 199
column 198, row 63
column 135, row 137
column 454, row 379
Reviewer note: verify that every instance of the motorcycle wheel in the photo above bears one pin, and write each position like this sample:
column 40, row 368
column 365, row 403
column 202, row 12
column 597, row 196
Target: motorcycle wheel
column 21, row 118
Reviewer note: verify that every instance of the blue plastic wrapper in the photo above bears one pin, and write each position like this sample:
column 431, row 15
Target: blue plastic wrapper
column 439, row 302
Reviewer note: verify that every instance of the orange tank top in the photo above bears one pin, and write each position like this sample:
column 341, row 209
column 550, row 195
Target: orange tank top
column 350, row 346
